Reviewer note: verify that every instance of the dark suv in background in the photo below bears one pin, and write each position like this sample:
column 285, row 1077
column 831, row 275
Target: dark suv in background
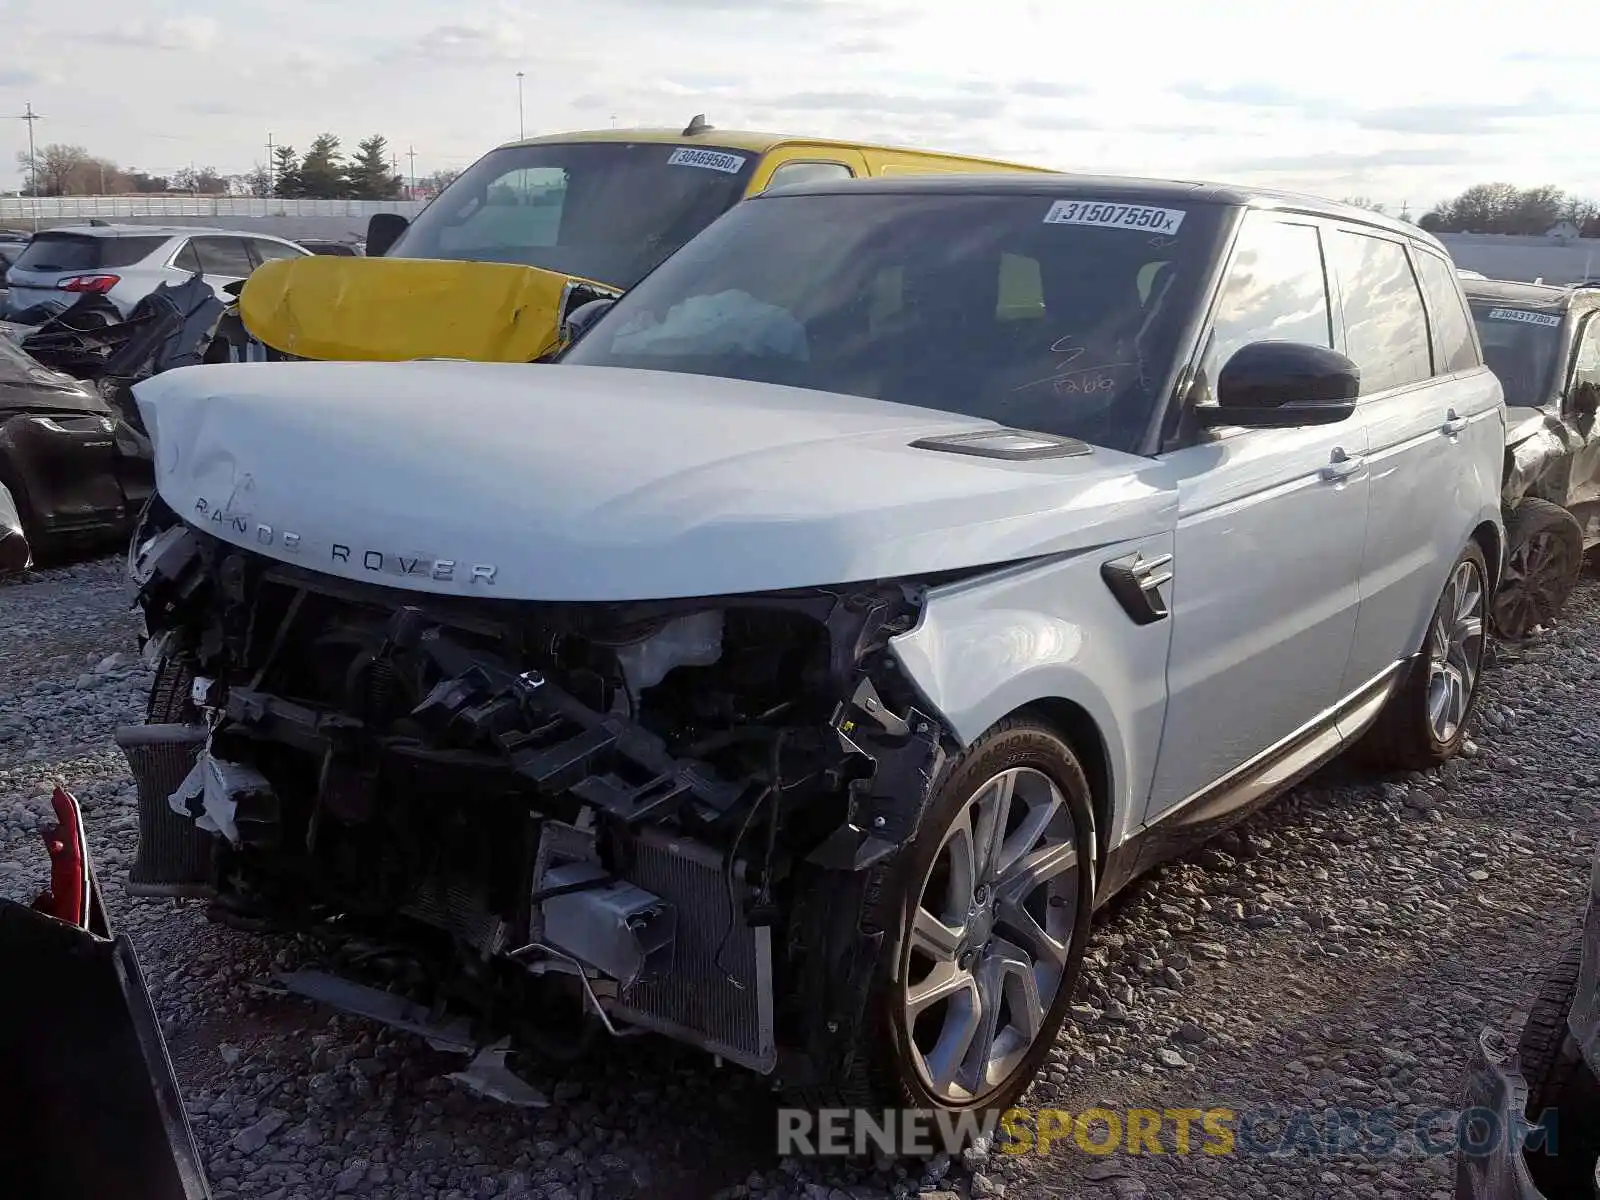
column 1544, row 344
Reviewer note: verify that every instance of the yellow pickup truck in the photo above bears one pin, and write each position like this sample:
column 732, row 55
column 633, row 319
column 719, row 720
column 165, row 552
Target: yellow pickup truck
column 492, row 267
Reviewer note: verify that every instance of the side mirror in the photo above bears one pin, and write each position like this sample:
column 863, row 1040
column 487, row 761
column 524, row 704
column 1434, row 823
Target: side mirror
column 1282, row 385
column 583, row 318
column 383, row 231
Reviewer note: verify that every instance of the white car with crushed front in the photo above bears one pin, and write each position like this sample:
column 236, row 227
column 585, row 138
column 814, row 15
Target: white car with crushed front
column 869, row 594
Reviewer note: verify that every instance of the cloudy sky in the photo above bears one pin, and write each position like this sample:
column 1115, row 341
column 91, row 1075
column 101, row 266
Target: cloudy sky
column 1402, row 103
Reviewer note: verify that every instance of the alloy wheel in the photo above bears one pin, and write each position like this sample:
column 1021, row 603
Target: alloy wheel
column 1537, row 578
column 990, row 935
column 1455, row 650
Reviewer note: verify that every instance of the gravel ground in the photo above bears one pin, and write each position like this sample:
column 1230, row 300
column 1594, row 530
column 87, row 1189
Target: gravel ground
column 1340, row 951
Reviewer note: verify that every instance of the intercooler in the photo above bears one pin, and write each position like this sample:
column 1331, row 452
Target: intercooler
column 717, row 993
column 174, row 856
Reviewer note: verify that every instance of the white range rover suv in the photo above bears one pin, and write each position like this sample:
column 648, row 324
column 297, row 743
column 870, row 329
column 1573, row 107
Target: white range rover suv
column 869, row 594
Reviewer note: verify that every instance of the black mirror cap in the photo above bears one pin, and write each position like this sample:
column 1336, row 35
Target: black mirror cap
column 1282, row 385
column 383, row 231
column 582, row 319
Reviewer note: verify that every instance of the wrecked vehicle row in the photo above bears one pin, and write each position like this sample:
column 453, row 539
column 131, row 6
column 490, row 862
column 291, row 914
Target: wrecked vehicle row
column 794, row 669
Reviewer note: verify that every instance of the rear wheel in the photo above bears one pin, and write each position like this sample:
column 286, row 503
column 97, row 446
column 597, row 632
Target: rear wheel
column 988, row 912
column 1544, row 556
column 1425, row 721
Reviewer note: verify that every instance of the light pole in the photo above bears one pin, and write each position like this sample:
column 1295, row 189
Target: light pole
column 520, row 131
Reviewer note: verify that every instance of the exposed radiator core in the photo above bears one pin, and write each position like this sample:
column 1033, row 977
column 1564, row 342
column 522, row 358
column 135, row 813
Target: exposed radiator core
column 695, row 1000
column 174, row 856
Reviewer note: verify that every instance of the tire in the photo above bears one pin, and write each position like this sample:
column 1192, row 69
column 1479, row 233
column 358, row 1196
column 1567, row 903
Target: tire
column 895, row 1058
column 1405, row 737
column 1544, row 557
column 1540, row 1045
column 171, row 700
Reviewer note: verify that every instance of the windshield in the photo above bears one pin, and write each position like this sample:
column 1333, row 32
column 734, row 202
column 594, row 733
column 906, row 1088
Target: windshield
column 606, row 211
column 1042, row 314
column 1522, row 347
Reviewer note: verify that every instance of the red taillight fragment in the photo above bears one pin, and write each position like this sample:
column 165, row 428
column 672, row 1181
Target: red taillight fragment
column 94, row 285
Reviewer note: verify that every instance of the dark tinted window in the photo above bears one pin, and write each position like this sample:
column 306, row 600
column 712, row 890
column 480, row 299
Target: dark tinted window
column 1453, row 346
column 267, row 251
column 608, row 211
column 1275, row 291
column 808, row 172
column 223, row 256
column 187, row 259
column 84, row 252
column 1386, row 329
column 1522, row 347
column 1057, row 316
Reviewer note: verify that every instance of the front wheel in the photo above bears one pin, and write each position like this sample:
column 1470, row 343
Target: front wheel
column 988, row 913
column 1544, row 557
column 1426, row 718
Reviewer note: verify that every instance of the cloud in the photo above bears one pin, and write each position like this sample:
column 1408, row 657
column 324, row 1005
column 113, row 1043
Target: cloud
column 1393, row 156
column 176, row 33
column 15, row 77
column 1464, row 118
column 1045, row 89
column 867, row 43
column 882, row 103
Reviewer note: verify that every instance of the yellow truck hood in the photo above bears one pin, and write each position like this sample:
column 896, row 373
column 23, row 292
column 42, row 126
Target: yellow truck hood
column 390, row 309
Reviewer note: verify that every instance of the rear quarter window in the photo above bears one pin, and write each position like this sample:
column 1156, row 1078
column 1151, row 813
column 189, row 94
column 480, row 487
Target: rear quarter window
column 82, row 252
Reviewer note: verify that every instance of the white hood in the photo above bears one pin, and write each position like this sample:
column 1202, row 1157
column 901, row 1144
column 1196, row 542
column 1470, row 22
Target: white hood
column 596, row 483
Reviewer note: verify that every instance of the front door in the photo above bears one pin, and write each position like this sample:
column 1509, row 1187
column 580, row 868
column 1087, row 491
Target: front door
column 1270, row 529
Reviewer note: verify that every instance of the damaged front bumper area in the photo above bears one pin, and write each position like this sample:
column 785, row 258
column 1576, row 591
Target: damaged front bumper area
column 642, row 808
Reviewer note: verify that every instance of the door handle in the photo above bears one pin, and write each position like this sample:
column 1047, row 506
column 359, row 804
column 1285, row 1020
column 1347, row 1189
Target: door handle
column 1341, row 465
column 1452, row 424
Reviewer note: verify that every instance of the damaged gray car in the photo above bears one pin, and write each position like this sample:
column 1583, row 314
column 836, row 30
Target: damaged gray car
column 1544, row 344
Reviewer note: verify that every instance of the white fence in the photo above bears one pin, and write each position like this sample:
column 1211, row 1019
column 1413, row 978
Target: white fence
column 108, row 208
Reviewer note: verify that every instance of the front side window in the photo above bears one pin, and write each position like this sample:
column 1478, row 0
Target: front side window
column 267, row 251
column 606, row 211
column 1523, row 347
column 1386, row 328
column 1275, row 291
column 1036, row 313
column 1586, row 369
column 1454, row 348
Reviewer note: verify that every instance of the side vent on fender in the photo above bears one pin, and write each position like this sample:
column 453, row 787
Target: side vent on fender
column 1013, row 444
column 1136, row 582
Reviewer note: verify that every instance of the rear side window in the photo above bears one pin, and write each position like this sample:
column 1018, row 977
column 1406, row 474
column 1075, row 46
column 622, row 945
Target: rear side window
column 223, row 256
column 187, row 259
column 808, row 172
column 1275, row 292
column 1386, row 327
column 1454, row 346
column 84, row 252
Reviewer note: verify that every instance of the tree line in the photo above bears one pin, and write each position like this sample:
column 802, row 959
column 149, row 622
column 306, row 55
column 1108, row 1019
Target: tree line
column 1506, row 208
column 324, row 172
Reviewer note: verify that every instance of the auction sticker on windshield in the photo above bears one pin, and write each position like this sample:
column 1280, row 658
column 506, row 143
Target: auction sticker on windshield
column 1525, row 318
column 711, row 160
column 1110, row 215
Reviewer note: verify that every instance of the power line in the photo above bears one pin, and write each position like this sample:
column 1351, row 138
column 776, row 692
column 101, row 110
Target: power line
column 30, row 117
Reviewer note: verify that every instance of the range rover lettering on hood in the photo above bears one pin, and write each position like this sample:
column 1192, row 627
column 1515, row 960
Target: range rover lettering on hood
column 406, row 566
column 610, row 484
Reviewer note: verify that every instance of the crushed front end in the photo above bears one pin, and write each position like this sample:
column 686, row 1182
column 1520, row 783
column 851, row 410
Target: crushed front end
column 655, row 812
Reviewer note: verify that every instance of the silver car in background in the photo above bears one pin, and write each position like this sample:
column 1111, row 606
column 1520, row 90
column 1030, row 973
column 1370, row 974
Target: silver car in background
column 124, row 263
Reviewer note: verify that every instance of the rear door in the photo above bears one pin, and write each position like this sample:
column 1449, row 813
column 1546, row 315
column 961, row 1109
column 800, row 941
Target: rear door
column 1430, row 411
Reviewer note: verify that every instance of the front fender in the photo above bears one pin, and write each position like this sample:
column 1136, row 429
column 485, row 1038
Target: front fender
column 1050, row 632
